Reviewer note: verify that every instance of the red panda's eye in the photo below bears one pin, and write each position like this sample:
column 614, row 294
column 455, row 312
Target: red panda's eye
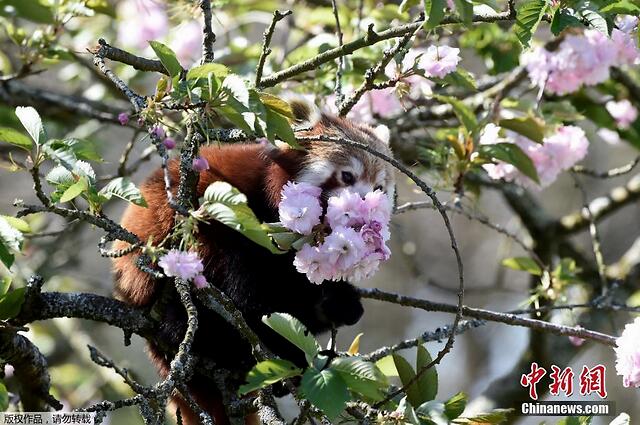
column 348, row 178
column 379, row 187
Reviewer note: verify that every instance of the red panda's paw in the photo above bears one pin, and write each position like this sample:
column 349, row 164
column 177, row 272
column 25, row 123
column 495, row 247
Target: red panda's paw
column 341, row 304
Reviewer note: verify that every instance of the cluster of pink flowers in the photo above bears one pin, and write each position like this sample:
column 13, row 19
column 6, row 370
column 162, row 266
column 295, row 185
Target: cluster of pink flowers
column 581, row 60
column 359, row 230
column 146, row 20
column 628, row 354
column 559, row 152
column 623, row 112
column 434, row 62
column 184, row 265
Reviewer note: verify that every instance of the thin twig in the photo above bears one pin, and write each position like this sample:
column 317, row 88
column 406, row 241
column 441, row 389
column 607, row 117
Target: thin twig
column 340, row 70
column 266, row 50
column 614, row 172
column 209, row 37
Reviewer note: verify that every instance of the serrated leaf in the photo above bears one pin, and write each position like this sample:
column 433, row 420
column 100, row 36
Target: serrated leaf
column 622, row 7
column 4, row 397
column 61, row 154
column 74, row 190
column 562, row 19
column 276, row 104
column 528, row 16
column 326, row 390
column 408, row 412
column 11, row 303
column 406, row 374
column 31, row 121
column 167, row 57
column 82, row 149
column 455, row 405
column 428, row 381
column 464, row 114
column 125, row 189
column 6, row 257
column 60, row 176
column 268, row 372
column 434, row 11
column 361, row 377
column 530, row 127
column 15, row 138
column 228, row 205
column 512, row 154
column 595, row 19
column 293, row 331
column 524, row 264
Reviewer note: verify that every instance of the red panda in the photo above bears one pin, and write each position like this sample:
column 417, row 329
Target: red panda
column 257, row 281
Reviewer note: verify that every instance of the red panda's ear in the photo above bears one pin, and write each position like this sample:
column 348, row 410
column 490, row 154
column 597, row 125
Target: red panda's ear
column 305, row 112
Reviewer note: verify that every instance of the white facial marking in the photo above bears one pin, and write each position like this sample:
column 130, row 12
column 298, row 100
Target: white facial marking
column 317, row 173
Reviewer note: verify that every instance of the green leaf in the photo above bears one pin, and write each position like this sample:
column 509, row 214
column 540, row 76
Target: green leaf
column 5, row 284
column 622, row 7
column 32, row 10
column 237, row 89
column 4, row 397
column 167, row 57
column 406, row 374
column 123, row 188
column 203, row 71
column 9, row 235
column 387, row 366
column 524, row 264
column 268, row 372
column 461, row 78
column 60, row 153
column 17, row 223
column 74, row 190
column 293, row 331
column 512, row 154
column 11, row 303
column 465, row 115
column 276, row 104
column 595, row 19
column 496, row 416
column 564, row 19
column 464, row 8
column 434, row 11
column 528, row 17
column 15, row 138
column 32, row 122
column 5, row 256
column 455, row 405
column 428, row 381
column 226, row 204
column 361, row 377
column 279, row 126
column 530, row 127
column 432, row 412
column 81, row 148
column 407, row 4
column 326, row 390
column 576, row 420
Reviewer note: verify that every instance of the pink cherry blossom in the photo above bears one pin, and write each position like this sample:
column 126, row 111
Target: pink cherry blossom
column 123, row 118
column 141, row 21
column 609, row 136
column 625, row 45
column 628, row 354
column 365, row 268
column 300, row 208
column 187, row 42
column 200, row 281
column 626, row 23
column 438, row 61
column 345, row 248
column 376, row 206
column 314, row 263
column 182, row 264
column 347, row 209
column 623, row 112
column 200, row 164
column 383, row 103
column 557, row 153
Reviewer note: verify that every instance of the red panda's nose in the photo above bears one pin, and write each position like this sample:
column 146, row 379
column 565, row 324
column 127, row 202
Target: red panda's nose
column 362, row 188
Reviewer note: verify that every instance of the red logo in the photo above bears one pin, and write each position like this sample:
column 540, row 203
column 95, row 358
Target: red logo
column 592, row 380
